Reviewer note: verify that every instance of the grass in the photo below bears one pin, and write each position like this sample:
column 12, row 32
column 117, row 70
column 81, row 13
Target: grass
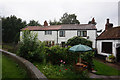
column 59, row 72
column 11, row 69
column 103, row 69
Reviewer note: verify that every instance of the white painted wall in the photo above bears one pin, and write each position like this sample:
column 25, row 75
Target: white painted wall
column 71, row 33
column 43, row 37
column 99, row 46
column 92, row 36
column 68, row 34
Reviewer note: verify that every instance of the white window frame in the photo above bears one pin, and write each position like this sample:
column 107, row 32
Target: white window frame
column 62, row 33
column 48, row 32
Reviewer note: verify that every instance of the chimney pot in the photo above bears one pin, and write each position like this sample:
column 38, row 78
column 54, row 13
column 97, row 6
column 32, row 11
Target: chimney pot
column 108, row 25
column 108, row 21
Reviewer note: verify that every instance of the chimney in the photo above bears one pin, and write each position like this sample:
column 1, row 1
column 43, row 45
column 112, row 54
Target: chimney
column 45, row 23
column 108, row 25
column 93, row 21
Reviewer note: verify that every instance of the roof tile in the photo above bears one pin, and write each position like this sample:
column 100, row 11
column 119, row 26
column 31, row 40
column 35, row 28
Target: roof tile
column 111, row 33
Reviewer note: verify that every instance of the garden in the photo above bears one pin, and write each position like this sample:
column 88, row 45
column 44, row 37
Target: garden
column 54, row 61
column 57, row 62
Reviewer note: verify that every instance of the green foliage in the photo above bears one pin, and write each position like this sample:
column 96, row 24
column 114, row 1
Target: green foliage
column 28, row 47
column 54, row 22
column 88, row 57
column 111, row 57
column 79, row 40
column 11, row 28
column 66, row 19
column 55, row 72
column 56, row 53
column 33, row 23
column 69, row 19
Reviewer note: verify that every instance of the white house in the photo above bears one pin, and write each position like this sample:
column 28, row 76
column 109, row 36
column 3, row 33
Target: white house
column 108, row 42
column 59, row 34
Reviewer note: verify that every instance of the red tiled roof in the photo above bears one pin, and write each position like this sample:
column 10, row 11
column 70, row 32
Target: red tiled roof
column 111, row 33
column 61, row 27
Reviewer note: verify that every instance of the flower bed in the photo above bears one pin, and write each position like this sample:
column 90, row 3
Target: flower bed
column 59, row 71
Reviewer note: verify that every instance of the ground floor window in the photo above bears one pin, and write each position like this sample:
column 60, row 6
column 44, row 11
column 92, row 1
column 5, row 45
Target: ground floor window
column 107, row 47
column 50, row 43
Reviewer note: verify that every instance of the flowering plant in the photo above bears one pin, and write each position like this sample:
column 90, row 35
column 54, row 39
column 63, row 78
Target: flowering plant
column 62, row 65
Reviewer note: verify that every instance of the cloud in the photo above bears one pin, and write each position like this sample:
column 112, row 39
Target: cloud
column 42, row 10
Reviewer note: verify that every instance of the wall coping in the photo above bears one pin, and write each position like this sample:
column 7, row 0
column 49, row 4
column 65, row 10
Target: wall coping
column 32, row 71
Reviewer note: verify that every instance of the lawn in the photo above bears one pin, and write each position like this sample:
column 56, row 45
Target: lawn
column 59, row 72
column 10, row 69
column 103, row 69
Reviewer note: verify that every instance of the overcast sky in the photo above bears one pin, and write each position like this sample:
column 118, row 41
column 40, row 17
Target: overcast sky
column 41, row 10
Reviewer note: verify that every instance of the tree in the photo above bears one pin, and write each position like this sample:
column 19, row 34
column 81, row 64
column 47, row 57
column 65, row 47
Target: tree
column 33, row 23
column 54, row 22
column 31, row 48
column 30, row 39
column 11, row 28
column 69, row 19
column 79, row 40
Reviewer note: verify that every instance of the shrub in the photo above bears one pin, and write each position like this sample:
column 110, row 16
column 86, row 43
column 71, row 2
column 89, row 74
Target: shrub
column 88, row 57
column 28, row 46
column 111, row 57
column 79, row 40
column 56, row 53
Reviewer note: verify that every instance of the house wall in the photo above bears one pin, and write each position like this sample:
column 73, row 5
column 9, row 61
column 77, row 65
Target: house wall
column 71, row 33
column 68, row 34
column 43, row 37
column 99, row 46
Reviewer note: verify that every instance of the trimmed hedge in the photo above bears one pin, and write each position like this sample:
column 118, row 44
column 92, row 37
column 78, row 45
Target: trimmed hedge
column 79, row 40
column 56, row 53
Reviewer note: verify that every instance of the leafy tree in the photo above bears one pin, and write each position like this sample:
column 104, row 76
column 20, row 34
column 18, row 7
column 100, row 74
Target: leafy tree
column 33, row 23
column 66, row 19
column 54, row 22
column 11, row 28
column 69, row 19
column 79, row 40
column 28, row 46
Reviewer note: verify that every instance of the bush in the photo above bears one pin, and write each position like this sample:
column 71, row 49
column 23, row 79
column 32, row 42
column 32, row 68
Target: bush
column 88, row 57
column 29, row 46
column 79, row 40
column 56, row 53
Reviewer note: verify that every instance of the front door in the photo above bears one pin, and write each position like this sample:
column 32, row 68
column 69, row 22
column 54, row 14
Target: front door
column 118, row 54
